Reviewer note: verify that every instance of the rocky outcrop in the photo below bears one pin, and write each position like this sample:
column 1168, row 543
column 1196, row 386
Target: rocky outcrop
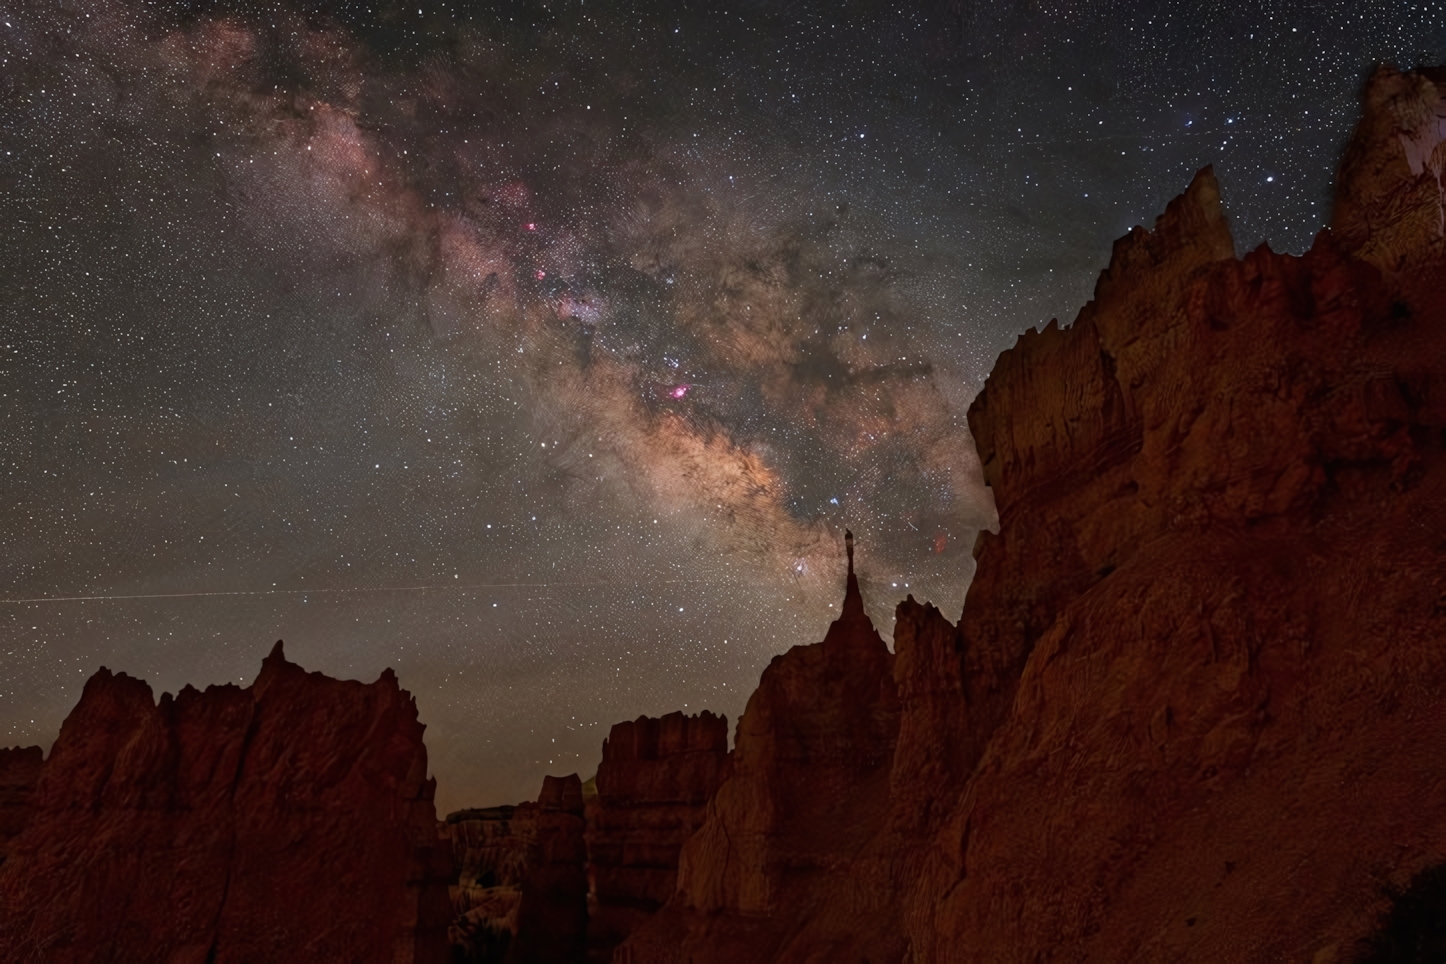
column 1214, row 606
column 1390, row 207
column 805, row 790
column 490, row 849
column 552, row 913
column 289, row 820
column 19, row 772
column 655, row 779
column 1192, row 711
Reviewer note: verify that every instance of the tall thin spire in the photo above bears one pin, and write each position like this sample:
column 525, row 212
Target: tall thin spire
column 853, row 607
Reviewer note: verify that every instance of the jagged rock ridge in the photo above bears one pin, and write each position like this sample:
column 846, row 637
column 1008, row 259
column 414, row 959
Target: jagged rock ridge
column 1192, row 709
column 290, row 820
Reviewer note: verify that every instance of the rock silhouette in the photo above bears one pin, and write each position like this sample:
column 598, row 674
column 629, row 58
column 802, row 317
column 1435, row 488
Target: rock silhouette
column 806, row 788
column 552, row 912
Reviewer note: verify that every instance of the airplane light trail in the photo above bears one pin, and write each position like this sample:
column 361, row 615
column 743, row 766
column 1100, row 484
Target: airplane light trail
column 293, row 592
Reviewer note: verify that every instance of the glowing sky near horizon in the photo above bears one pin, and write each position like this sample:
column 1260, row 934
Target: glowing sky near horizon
column 543, row 352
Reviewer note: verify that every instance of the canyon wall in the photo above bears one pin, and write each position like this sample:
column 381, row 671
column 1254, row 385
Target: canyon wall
column 1215, row 599
column 291, row 819
column 653, row 785
column 1192, row 711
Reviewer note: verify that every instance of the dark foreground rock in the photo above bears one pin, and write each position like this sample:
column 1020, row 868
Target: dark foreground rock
column 19, row 772
column 653, row 785
column 552, row 913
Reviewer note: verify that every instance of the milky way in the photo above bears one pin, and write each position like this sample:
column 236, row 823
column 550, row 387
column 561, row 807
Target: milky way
column 543, row 352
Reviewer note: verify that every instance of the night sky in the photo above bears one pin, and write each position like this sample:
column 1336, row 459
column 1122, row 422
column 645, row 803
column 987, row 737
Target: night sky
column 543, row 351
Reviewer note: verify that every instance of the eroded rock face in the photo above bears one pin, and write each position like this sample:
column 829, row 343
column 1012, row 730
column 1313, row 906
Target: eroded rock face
column 289, row 820
column 1192, row 711
column 1213, row 615
column 19, row 772
column 1390, row 207
column 654, row 782
column 491, row 848
column 806, row 787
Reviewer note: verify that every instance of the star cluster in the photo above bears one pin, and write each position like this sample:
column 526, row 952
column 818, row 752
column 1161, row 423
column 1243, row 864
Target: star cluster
column 543, row 351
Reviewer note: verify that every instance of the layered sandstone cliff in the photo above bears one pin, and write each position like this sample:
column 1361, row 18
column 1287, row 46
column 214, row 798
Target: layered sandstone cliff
column 1193, row 709
column 655, row 779
column 290, row 820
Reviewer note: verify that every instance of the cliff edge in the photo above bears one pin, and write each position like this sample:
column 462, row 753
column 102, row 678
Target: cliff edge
column 1192, row 710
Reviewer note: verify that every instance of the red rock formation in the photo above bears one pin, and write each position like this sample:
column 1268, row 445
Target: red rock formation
column 1390, row 203
column 806, row 789
column 291, row 820
column 552, row 914
column 1214, row 603
column 19, row 771
column 490, row 849
column 1193, row 709
column 655, row 779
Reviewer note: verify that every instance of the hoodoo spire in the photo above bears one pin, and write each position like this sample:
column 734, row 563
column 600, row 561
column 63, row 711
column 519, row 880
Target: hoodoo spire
column 853, row 607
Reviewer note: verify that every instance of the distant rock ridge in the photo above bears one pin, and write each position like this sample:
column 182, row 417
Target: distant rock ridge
column 288, row 820
column 1192, row 709
column 566, row 878
column 492, row 848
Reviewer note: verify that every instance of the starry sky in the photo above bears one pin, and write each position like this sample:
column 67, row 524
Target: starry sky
column 542, row 350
